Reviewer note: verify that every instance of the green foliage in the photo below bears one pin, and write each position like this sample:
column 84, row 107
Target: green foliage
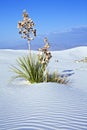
column 33, row 71
column 30, row 69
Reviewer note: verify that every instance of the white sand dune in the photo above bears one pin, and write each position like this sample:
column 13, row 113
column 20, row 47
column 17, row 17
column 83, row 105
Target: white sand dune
column 45, row 106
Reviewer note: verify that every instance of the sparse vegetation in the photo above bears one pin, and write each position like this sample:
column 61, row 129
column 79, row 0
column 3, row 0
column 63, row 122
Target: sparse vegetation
column 33, row 68
column 29, row 69
column 84, row 60
column 55, row 77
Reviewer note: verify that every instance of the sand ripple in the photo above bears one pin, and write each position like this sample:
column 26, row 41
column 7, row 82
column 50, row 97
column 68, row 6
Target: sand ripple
column 43, row 107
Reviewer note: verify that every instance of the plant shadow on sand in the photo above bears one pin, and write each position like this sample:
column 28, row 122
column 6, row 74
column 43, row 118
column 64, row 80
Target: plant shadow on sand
column 67, row 73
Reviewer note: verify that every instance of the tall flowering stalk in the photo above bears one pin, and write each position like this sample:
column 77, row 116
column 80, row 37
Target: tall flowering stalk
column 26, row 28
column 44, row 55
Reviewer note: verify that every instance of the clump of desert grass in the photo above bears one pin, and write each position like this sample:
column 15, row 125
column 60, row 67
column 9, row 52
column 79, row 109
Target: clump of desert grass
column 33, row 67
column 55, row 77
column 84, row 60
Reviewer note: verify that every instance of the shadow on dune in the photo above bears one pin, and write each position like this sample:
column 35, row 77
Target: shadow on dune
column 67, row 73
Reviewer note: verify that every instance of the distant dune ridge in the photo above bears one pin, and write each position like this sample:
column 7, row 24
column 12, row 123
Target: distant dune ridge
column 45, row 106
column 58, row 40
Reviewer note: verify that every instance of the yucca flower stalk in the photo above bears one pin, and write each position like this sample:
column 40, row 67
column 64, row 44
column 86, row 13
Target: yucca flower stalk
column 26, row 29
column 44, row 55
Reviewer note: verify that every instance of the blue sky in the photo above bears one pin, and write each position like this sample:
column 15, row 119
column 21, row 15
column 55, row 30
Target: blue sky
column 50, row 16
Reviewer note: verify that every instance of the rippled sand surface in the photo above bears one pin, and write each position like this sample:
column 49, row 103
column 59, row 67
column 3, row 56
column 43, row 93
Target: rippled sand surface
column 43, row 107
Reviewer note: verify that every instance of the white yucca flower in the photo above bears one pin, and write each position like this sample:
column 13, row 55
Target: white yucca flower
column 26, row 28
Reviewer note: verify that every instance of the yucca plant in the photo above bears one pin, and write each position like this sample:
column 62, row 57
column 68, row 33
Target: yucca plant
column 33, row 68
column 30, row 69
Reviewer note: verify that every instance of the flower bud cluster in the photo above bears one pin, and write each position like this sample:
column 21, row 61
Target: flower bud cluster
column 26, row 27
column 45, row 55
